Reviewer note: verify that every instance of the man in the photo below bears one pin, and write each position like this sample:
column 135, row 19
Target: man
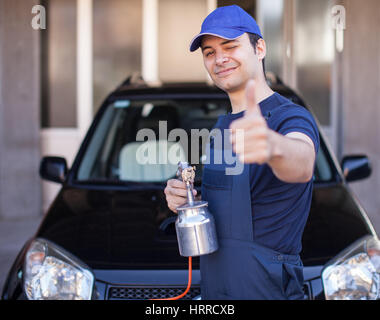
column 261, row 213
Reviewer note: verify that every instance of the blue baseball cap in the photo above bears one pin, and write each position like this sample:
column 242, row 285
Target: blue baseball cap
column 228, row 22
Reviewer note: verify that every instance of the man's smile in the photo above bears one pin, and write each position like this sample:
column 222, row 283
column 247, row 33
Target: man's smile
column 225, row 72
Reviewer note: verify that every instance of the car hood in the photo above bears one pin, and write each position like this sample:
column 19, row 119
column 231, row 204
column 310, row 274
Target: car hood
column 134, row 229
column 114, row 229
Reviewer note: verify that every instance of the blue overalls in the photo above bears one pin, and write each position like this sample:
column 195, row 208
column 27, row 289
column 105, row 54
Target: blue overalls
column 241, row 268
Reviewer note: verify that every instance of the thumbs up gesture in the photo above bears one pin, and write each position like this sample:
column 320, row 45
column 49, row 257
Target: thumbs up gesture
column 250, row 135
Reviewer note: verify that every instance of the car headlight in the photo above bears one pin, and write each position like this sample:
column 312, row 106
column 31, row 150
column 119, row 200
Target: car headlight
column 51, row 273
column 355, row 273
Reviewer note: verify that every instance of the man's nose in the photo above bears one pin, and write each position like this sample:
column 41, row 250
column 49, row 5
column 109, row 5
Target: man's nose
column 221, row 58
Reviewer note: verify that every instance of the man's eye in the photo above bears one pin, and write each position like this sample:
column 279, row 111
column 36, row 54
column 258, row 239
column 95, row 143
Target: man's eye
column 231, row 47
column 209, row 53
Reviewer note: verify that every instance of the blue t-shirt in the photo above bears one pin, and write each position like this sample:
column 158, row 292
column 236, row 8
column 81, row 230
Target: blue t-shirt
column 279, row 209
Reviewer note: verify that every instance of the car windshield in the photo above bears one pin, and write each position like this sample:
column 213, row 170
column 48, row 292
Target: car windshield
column 143, row 140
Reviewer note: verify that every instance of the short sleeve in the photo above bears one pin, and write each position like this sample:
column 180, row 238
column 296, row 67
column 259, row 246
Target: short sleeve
column 294, row 118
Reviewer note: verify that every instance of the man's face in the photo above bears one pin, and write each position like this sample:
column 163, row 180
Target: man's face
column 230, row 63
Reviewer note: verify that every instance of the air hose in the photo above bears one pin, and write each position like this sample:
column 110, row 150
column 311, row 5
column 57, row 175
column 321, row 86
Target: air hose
column 187, row 289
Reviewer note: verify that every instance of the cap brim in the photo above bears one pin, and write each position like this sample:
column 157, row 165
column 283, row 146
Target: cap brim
column 229, row 34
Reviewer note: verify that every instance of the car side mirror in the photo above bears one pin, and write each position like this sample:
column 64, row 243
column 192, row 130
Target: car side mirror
column 53, row 169
column 356, row 167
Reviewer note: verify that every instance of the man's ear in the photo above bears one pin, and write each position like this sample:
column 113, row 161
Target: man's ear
column 261, row 49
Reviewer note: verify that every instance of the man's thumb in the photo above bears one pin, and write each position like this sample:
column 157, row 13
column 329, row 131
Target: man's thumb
column 250, row 91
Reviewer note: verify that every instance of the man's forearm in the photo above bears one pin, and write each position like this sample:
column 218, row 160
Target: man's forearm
column 292, row 158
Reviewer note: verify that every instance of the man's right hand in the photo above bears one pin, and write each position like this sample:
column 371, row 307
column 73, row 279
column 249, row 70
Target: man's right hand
column 176, row 194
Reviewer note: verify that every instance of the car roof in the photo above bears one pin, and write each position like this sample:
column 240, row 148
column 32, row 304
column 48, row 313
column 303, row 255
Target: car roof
column 167, row 88
column 140, row 88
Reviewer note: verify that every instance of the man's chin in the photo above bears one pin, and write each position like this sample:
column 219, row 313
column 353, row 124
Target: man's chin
column 228, row 86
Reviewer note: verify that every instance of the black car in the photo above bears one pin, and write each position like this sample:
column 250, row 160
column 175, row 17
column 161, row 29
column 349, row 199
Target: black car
column 110, row 235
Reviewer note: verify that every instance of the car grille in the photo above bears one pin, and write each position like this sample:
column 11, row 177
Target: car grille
column 145, row 293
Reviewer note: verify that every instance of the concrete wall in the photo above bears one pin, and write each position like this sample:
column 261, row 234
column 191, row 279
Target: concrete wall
column 20, row 188
column 361, row 96
column 175, row 32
